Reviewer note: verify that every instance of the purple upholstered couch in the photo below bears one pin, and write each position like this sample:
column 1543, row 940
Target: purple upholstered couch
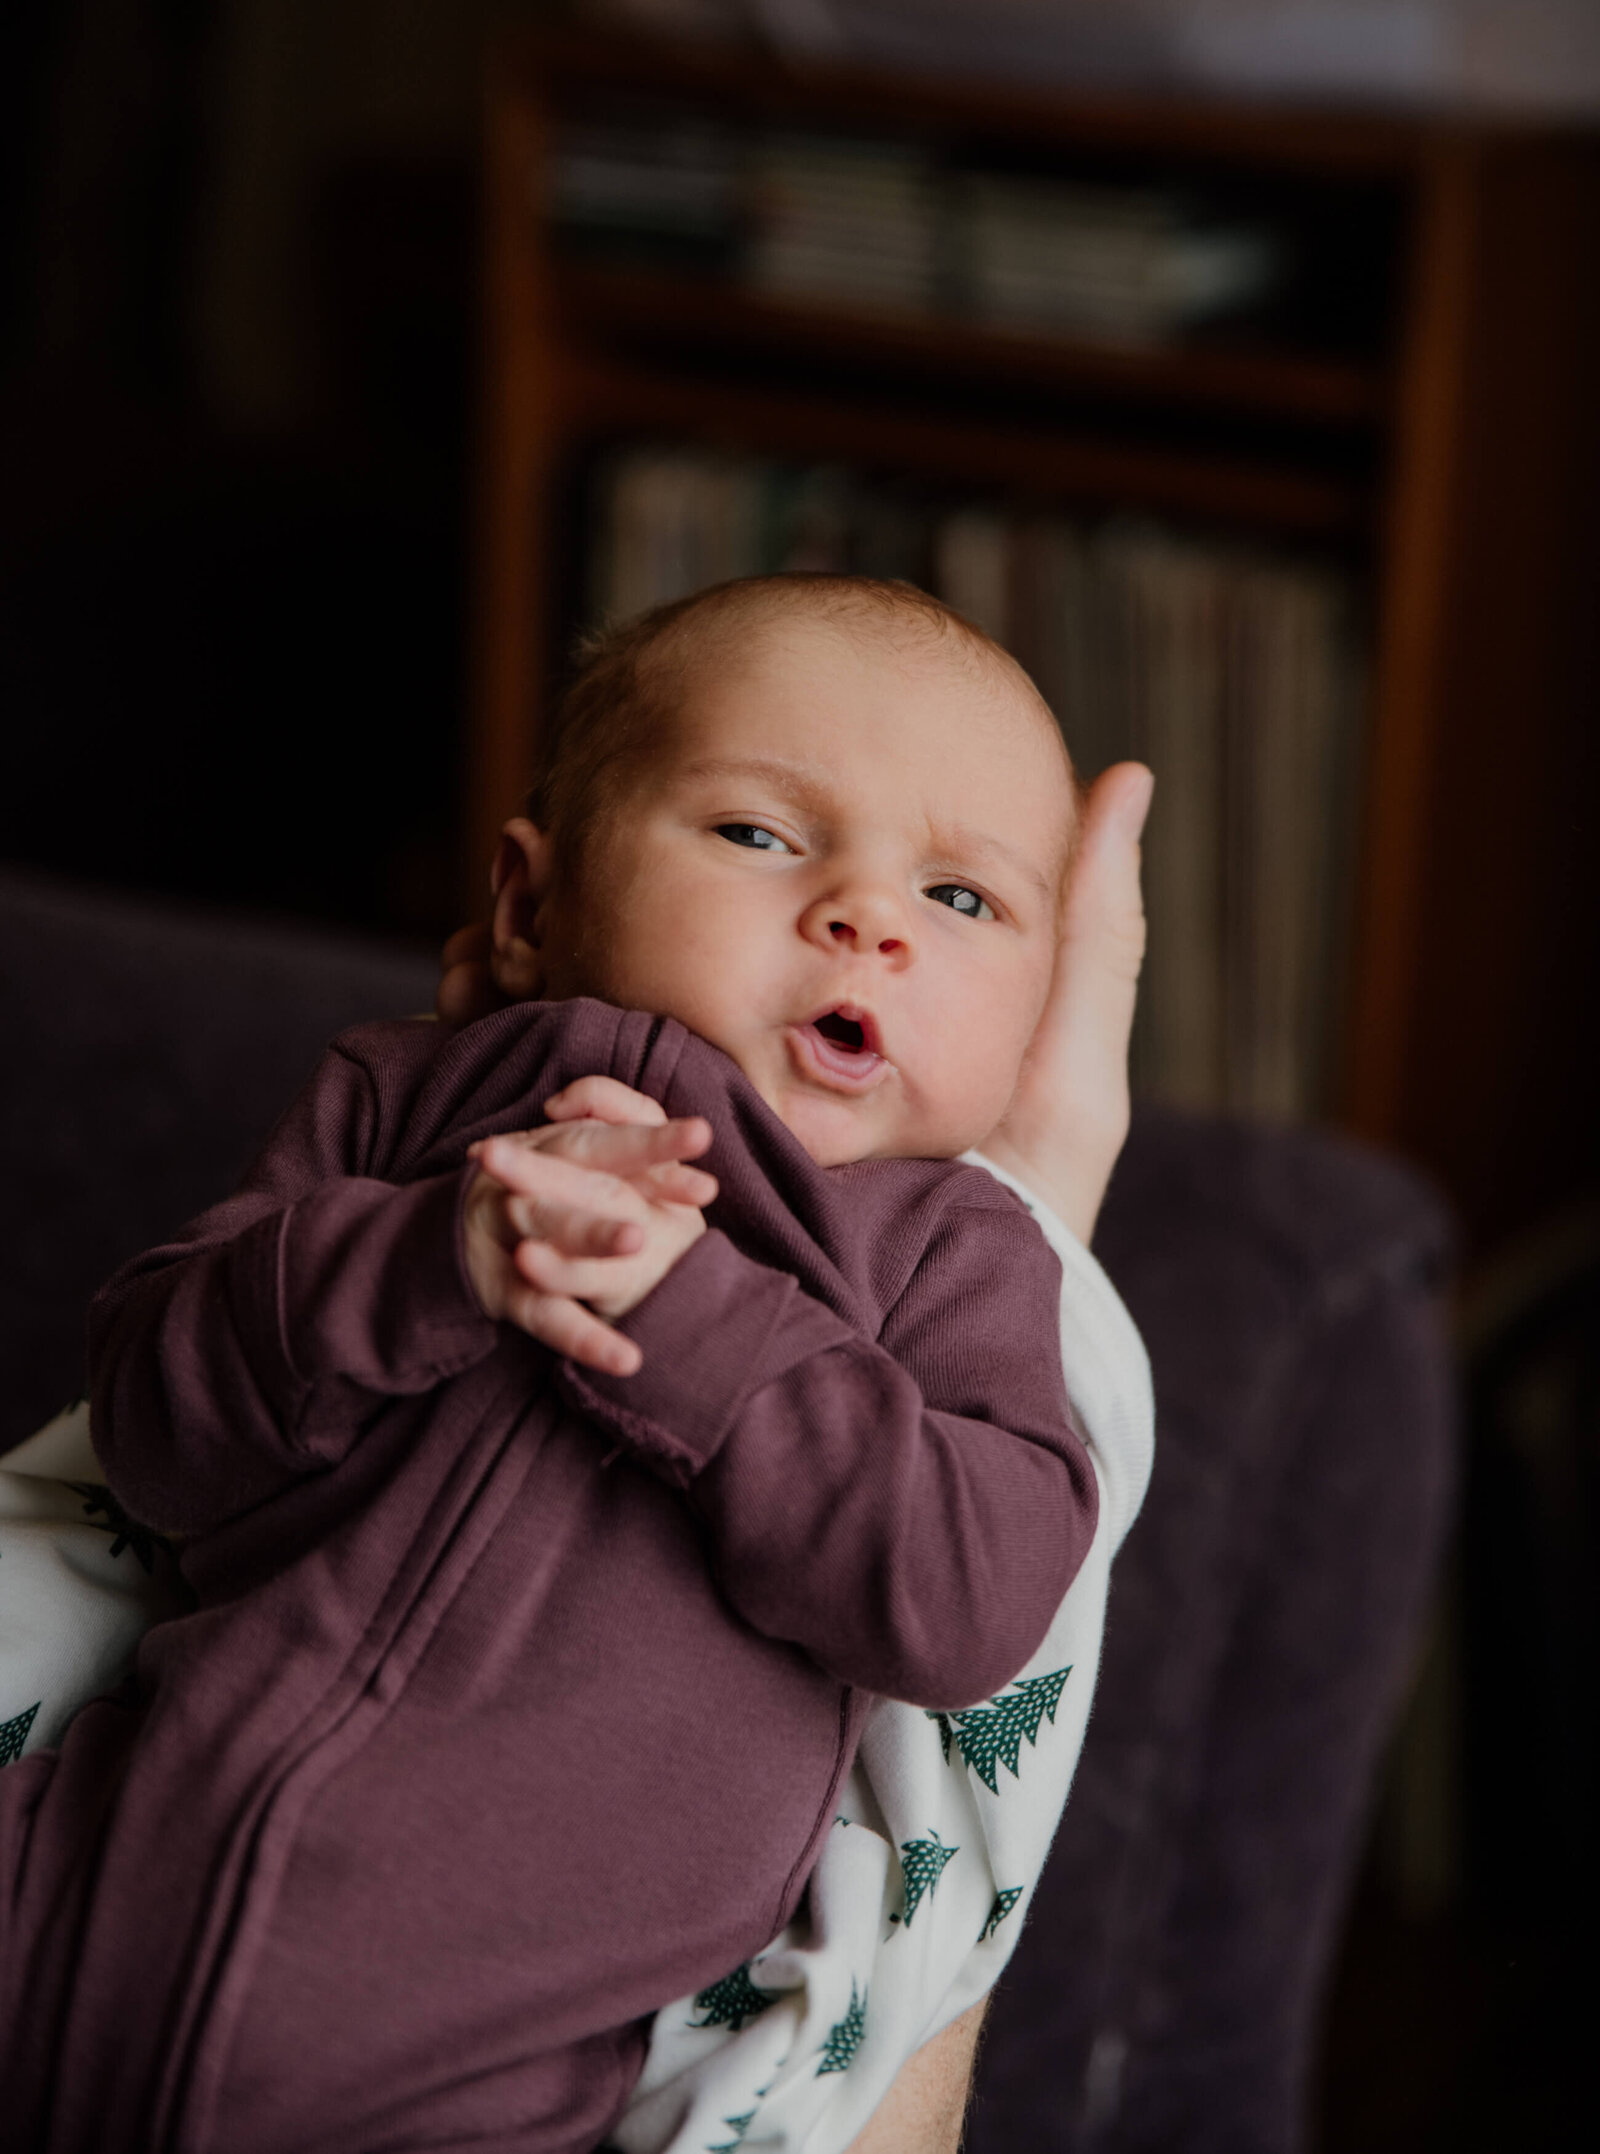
column 1163, row 1997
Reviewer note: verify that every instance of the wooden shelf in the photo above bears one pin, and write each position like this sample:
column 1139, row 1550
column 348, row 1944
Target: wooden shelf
column 608, row 400
column 1308, row 137
column 1462, row 477
column 701, row 315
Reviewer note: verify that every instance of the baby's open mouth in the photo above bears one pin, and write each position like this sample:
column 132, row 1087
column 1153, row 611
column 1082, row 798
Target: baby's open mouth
column 841, row 1049
column 843, row 1031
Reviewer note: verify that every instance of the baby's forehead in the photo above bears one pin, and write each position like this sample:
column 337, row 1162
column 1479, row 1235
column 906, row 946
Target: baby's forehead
column 787, row 634
column 782, row 625
column 1003, row 715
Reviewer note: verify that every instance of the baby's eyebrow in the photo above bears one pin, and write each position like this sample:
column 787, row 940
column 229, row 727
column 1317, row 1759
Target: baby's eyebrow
column 793, row 779
column 961, row 842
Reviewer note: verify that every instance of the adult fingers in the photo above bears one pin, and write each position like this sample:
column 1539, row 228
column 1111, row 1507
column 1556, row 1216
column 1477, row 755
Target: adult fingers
column 466, row 985
column 603, row 1099
column 1083, row 1041
column 1103, row 917
column 1067, row 1121
column 464, row 993
column 568, row 1328
column 467, row 946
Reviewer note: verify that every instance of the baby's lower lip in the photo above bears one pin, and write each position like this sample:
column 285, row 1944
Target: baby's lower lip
column 824, row 1061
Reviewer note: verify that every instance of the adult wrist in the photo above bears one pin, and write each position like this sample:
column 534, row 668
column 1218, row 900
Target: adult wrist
column 1065, row 1157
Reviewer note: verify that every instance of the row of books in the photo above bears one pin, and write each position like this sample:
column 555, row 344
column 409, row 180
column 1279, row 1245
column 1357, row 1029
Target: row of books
column 1234, row 672
column 889, row 225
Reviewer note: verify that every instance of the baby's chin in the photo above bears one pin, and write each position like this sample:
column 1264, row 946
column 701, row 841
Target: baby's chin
column 836, row 1133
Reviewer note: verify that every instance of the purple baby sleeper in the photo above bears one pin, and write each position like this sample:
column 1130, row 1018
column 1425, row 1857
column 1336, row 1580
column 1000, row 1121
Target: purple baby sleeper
column 515, row 1698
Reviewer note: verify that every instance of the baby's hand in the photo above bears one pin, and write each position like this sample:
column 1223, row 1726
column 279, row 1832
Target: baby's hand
column 578, row 1221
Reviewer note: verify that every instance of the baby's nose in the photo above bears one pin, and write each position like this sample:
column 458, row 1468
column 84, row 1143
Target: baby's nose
column 842, row 931
column 862, row 917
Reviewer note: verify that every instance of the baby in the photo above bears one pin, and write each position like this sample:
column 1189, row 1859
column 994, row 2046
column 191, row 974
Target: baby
column 548, row 1554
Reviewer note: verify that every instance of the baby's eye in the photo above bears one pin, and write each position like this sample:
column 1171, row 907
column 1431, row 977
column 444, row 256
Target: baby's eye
column 752, row 835
column 962, row 900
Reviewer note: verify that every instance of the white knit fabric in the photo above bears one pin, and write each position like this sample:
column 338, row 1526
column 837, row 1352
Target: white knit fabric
column 923, row 1883
column 77, row 1590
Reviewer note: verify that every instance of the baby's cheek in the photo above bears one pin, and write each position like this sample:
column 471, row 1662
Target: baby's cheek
column 958, row 1109
column 996, row 1036
column 995, row 1047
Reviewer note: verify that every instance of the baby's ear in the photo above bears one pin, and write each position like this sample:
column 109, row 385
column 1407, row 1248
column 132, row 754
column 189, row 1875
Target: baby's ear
column 520, row 880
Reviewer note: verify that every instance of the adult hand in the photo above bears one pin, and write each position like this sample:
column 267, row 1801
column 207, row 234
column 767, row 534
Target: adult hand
column 1069, row 1117
column 466, row 985
column 496, row 961
column 924, row 2110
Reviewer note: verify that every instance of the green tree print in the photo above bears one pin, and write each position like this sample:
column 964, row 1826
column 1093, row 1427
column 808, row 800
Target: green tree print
column 1003, row 1904
column 845, row 2036
column 14, row 1733
column 992, row 1735
column 922, row 1865
column 732, row 2002
column 126, row 1532
column 738, row 2126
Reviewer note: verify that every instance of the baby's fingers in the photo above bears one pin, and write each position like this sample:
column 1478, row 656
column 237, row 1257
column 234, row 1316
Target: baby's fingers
column 574, row 1230
column 628, row 1149
column 543, row 1174
column 674, row 1184
column 615, row 1149
column 603, row 1099
column 553, row 1272
column 566, row 1327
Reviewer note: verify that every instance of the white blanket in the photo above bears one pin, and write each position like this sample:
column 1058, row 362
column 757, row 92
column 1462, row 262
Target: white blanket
column 922, row 1884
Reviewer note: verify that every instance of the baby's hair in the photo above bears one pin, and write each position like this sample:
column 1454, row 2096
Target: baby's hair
column 630, row 677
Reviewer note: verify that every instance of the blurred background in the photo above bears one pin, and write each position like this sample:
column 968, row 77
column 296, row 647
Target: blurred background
column 1232, row 360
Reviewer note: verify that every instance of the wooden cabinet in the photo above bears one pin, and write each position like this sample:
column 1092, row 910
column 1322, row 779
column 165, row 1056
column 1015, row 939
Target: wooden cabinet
column 1431, row 412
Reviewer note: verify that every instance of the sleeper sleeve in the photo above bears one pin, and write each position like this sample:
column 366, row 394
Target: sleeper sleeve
column 909, row 1511
column 247, row 1351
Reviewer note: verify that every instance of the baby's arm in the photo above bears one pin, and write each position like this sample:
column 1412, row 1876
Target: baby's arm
column 232, row 1361
column 909, row 1513
column 224, row 1364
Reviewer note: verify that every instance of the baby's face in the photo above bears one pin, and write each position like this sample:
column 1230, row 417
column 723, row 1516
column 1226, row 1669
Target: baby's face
column 843, row 871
